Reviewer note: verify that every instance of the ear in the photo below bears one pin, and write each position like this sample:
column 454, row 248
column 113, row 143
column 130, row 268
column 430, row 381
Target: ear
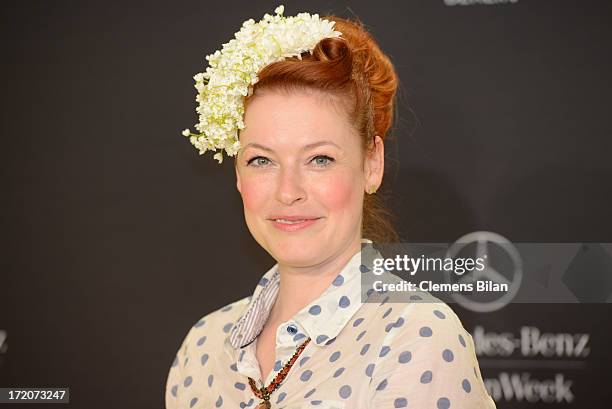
column 374, row 165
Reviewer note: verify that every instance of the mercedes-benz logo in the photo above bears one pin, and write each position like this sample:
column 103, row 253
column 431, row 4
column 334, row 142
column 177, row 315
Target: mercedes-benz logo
column 483, row 240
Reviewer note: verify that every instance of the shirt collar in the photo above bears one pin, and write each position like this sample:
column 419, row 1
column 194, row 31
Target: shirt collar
column 341, row 300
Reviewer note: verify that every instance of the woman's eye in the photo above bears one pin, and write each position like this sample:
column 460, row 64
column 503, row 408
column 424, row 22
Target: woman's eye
column 258, row 160
column 322, row 160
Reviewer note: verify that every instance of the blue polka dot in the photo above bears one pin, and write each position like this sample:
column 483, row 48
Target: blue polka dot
column 382, row 385
column 186, row 360
column 322, row 338
column 466, row 385
column 448, row 356
column 384, row 351
column 461, row 341
column 443, row 403
column 240, row 385
column 193, row 402
column 363, row 269
column 219, row 401
column 263, row 281
column 234, row 367
column 386, row 314
column 384, row 301
column 344, row 302
column 399, row 322
column 226, row 308
column 404, row 357
column 331, row 341
column 345, row 391
column 210, row 379
column 204, row 359
column 361, row 334
column 357, row 322
column 338, row 372
column 309, row 393
column 277, row 365
column 415, row 298
column 314, row 310
column 369, row 292
column 316, row 402
column 425, row 332
column 439, row 314
column 400, row 403
column 201, row 340
column 369, row 370
column 299, row 336
column 187, row 381
column 389, row 326
column 364, row 349
column 306, row 375
column 303, row 360
column 338, row 281
column 426, row 377
column 173, row 390
column 199, row 323
column 227, row 327
column 281, row 396
column 334, row 357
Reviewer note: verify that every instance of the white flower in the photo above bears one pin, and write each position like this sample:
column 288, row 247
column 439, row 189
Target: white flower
column 224, row 84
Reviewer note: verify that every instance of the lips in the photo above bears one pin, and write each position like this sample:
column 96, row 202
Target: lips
column 295, row 218
column 293, row 223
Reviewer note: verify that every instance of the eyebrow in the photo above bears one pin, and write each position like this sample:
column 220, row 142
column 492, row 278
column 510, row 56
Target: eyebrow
column 305, row 148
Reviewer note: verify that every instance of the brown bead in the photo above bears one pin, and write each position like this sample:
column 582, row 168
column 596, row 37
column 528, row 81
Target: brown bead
column 264, row 393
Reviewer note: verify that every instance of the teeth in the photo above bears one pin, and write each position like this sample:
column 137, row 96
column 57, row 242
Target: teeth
column 289, row 221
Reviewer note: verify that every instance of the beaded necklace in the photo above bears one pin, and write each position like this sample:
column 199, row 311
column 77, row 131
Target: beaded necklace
column 265, row 391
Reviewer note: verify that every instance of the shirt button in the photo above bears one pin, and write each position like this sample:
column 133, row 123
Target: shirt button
column 292, row 329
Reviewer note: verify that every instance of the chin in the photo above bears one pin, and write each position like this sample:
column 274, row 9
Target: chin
column 297, row 250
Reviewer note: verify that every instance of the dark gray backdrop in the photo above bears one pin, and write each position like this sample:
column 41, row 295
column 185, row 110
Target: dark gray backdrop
column 117, row 236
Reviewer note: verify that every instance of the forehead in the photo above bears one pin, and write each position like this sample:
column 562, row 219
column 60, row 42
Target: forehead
column 296, row 118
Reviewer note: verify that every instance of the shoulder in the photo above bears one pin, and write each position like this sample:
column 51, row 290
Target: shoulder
column 431, row 321
column 423, row 316
column 214, row 325
column 205, row 330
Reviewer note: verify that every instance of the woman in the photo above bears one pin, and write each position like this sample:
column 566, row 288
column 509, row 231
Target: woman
column 308, row 161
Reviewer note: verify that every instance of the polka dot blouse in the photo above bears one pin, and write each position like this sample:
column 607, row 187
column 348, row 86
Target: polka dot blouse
column 370, row 354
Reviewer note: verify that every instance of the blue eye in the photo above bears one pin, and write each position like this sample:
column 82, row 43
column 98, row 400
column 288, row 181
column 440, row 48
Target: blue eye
column 326, row 160
column 258, row 161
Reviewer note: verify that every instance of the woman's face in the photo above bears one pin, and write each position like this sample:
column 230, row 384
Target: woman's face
column 301, row 174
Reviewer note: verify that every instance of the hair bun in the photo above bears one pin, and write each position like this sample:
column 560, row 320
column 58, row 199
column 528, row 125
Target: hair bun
column 332, row 49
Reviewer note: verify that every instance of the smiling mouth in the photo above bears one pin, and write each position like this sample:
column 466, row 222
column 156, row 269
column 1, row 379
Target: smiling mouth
column 296, row 221
column 291, row 225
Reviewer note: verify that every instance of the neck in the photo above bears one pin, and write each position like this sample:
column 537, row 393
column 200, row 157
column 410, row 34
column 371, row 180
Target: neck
column 299, row 286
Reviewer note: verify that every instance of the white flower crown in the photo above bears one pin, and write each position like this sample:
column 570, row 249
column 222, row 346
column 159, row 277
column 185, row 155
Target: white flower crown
column 231, row 72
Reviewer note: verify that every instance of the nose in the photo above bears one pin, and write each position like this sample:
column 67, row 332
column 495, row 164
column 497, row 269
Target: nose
column 290, row 187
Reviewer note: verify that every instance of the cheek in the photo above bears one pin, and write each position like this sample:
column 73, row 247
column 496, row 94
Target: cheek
column 254, row 193
column 340, row 192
